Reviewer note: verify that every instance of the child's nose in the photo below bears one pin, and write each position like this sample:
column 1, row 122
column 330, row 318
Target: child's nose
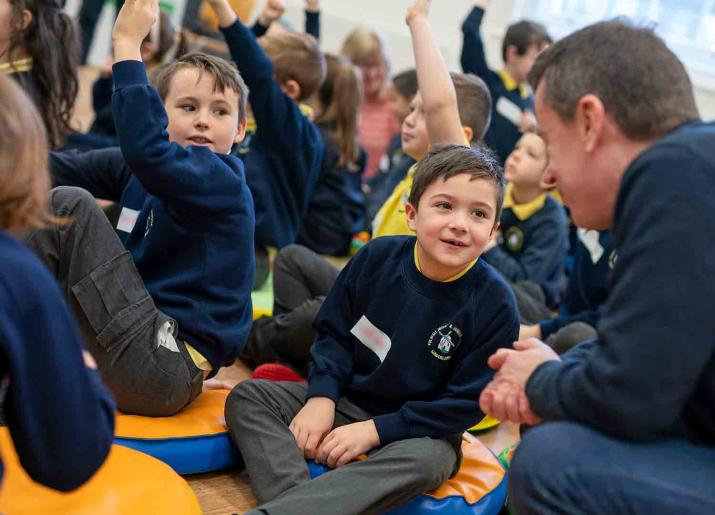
column 201, row 119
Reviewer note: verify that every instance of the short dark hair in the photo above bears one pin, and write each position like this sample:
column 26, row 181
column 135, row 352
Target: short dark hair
column 641, row 83
column 446, row 161
column 474, row 103
column 523, row 35
column 296, row 56
column 406, row 83
column 224, row 73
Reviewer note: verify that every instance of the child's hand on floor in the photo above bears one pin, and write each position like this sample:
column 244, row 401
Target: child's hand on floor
column 224, row 12
column 346, row 443
column 420, row 9
column 312, row 423
column 272, row 11
column 132, row 25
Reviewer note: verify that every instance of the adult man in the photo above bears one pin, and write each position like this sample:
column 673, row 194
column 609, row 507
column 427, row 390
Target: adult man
column 630, row 418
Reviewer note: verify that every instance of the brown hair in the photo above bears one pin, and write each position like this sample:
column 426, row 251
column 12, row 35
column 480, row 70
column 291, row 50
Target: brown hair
column 641, row 83
column 523, row 35
column 51, row 40
column 224, row 73
column 363, row 45
column 24, row 176
column 446, row 161
column 297, row 57
column 474, row 103
column 341, row 97
column 405, row 83
column 171, row 43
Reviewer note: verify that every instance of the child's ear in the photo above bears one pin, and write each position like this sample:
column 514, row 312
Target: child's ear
column 24, row 21
column 292, row 89
column 468, row 134
column 411, row 213
column 241, row 131
column 511, row 52
column 494, row 231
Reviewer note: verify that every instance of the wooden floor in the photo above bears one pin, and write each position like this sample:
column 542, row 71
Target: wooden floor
column 230, row 492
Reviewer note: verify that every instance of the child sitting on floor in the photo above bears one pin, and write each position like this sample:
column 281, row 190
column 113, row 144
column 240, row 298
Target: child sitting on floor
column 403, row 339
column 534, row 233
column 60, row 416
column 164, row 301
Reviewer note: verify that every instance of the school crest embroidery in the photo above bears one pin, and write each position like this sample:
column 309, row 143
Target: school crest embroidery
column 514, row 239
column 444, row 341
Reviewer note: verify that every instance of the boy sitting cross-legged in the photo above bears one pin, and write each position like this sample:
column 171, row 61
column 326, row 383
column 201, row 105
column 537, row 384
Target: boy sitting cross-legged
column 164, row 301
column 400, row 356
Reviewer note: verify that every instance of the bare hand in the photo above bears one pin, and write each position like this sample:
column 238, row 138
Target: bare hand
column 312, row 6
column 516, row 365
column 346, row 443
column 527, row 122
column 420, row 9
column 272, row 11
column 133, row 23
column 506, row 401
column 312, row 423
column 218, row 384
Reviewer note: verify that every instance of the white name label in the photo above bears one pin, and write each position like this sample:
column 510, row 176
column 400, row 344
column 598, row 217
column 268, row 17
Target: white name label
column 127, row 219
column 372, row 338
column 589, row 238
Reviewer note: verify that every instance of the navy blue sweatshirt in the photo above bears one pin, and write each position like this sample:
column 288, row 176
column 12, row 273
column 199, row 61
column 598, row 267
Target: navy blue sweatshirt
column 502, row 134
column 409, row 350
column 651, row 373
column 192, row 240
column 285, row 154
column 337, row 207
column 587, row 290
column 533, row 249
column 312, row 25
column 59, row 414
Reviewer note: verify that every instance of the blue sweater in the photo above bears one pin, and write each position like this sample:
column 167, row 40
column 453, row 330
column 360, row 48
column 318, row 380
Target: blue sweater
column 284, row 156
column 409, row 350
column 59, row 414
column 533, row 249
column 502, row 134
column 193, row 237
column 337, row 207
column 651, row 374
column 587, row 289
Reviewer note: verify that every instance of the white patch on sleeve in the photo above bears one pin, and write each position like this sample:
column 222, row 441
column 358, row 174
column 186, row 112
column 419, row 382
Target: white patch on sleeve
column 127, row 219
column 589, row 238
column 372, row 338
column 509, row 110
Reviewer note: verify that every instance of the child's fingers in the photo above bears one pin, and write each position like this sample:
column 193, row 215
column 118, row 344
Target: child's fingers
column 311, row 445
column 335, row 454
column 325, row 448
column 485, row 400
column 348, row 456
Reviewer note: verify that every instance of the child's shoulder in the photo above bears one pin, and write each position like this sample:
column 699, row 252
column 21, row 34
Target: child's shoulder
column 490, row 284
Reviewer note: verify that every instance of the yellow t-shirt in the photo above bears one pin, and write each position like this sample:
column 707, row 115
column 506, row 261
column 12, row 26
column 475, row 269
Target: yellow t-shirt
column 391, row 220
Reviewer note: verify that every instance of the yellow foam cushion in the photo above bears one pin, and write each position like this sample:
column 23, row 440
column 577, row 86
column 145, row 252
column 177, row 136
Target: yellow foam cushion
column 260, row 312
column 484, row 424
column 478, row 476
column 204, row 416
column 127, row 482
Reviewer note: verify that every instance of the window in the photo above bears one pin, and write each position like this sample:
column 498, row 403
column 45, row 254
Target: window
column 688, row 26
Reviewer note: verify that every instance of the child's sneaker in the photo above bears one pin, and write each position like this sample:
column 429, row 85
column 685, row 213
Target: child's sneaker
column 276, row 372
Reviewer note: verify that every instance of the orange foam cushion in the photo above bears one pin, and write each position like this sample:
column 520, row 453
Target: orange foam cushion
column 478, row 476
column 127, row 482
column 204, row 416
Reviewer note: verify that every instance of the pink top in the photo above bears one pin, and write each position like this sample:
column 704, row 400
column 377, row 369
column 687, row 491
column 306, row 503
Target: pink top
column 378, row 126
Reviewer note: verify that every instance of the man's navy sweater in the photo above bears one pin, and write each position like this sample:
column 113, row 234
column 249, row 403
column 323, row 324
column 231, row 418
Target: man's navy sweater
column 285, row 154
column 588, row 289
column 651, row 374
column 534, row 249
column 59, row 414
column 409, row 350
column 502, row 134
column 192, row 240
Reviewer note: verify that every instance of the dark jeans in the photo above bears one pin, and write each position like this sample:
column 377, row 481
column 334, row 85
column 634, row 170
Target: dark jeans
column 122, row 328
column 301, row 280
column 87, row 20
column 564, row 467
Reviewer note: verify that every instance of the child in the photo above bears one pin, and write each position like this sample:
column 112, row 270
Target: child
column 39, row 48
column 60, row 416
column 401, row 390
column 284, row 156
column 513, row 105
column 161, row 319
column 534, row 234
column 337, row 206
column 367, row 50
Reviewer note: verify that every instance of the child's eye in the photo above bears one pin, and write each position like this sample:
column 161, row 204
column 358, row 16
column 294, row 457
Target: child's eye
column 479, row 213
column 443, row 205
column 186, row 107
column 221, row 112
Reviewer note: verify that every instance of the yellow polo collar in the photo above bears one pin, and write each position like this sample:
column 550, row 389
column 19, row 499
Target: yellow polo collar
column 448, row 279
column 523, row 211
column 510, row 84
column 21, row 65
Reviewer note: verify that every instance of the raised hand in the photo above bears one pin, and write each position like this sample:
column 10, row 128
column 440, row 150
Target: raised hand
column 132, row 25
column 272, row 11
column 419, row 9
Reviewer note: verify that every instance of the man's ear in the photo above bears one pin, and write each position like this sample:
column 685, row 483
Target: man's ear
column 468, row 133
column 241, row 131
column 590, row 117
column 411, row 213
column 292, row 89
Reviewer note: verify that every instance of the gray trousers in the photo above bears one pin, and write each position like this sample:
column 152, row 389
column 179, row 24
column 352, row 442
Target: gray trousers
column 301, row 280
column 258, row 413
column 117, row 317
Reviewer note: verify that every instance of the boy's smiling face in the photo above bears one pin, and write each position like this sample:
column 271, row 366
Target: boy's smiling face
column 454, row 222
column 201, row 116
